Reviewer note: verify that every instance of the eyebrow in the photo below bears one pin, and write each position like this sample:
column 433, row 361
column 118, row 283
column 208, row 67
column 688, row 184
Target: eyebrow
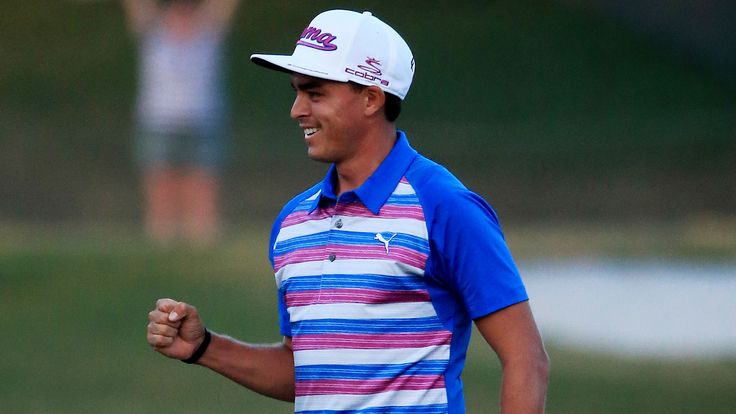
column 310, row 84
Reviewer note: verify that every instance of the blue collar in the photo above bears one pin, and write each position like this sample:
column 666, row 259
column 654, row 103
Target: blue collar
column 374, row 192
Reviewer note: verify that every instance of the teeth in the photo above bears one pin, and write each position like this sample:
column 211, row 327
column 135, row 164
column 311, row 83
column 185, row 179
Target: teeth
column 310, row 131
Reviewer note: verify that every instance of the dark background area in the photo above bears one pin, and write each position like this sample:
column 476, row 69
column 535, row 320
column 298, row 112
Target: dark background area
column 553, row 110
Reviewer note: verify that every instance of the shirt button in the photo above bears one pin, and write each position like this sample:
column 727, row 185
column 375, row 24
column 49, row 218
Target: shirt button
column 338, row 223
column 332, row 257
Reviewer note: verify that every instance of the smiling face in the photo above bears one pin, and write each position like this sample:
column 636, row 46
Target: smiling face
column 332, row 115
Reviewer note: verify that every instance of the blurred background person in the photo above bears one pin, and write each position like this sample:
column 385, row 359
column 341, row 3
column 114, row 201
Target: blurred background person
column 182, row 135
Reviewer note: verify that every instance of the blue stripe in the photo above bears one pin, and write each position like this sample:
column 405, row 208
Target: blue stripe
column 403, row 200
column 365, row 238
column 300, row 242
column 305, row 204
column 416, row 409
column 344, row 281
column 372, row 371
column 361, row 326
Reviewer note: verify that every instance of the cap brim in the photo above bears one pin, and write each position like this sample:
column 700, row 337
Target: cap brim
column 286, row 64
column 273, row 62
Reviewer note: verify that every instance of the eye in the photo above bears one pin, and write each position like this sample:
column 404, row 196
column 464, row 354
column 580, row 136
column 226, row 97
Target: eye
column 314, row 94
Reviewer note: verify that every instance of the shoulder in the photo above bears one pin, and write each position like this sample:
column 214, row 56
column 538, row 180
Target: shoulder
column 468, row 251
column 443, row 194
column 301, row 202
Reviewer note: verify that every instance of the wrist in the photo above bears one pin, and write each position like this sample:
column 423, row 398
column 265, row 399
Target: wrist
column 200, row 349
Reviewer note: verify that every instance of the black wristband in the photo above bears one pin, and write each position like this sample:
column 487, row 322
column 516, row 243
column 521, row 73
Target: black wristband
column 200, row 350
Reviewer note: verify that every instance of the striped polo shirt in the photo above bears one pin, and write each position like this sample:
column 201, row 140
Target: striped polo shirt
column 378, row 287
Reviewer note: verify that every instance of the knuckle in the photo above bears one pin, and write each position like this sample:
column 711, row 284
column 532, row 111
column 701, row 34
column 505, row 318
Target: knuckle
column 159, row 341
column 161, row 329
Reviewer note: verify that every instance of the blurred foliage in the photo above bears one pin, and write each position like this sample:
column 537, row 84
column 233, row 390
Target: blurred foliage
column 550, row 111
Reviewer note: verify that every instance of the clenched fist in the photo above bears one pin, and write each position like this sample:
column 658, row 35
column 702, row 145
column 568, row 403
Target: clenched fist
column 175, row 329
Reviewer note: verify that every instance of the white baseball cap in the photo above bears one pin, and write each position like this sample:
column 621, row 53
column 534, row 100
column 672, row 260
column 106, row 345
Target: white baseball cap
column 343, row 45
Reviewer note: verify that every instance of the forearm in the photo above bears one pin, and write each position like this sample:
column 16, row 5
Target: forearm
column 265, row 369
column 524, row 386
column 513, row 334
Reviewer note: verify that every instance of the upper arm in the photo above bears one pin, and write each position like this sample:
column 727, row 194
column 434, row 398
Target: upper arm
column 470, row 254
column 512, row 333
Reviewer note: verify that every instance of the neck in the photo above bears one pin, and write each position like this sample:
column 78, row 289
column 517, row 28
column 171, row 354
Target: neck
column 181, row 22
column 352, row 173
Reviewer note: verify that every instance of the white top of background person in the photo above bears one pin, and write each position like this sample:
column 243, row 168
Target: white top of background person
column 181, row 114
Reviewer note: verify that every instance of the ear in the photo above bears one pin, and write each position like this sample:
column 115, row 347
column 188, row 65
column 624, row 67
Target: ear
column 374, row 99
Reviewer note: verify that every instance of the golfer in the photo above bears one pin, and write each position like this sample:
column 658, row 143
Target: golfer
column 383, row 266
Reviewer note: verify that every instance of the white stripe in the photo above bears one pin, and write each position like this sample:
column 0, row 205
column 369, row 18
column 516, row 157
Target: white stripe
column 303, row 229
column 414, row 227
column 347, row 267
column 361, row 311
column 299, row 269
column 404, row 189
column 313, row 196
column 341, row 402
column 371, row 356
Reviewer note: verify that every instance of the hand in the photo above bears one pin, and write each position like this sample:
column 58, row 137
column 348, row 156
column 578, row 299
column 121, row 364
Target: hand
column 174, row 329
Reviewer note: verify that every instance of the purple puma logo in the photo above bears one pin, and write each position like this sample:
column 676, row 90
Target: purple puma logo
column 316, row 39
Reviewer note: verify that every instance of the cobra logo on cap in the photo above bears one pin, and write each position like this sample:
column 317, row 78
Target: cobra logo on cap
column 316, row 39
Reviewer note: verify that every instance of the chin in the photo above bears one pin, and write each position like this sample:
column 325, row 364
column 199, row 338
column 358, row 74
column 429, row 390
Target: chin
column 319, row 157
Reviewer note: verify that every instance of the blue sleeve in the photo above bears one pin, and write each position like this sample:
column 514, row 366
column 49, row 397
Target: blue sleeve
column 468, row 253
column 284, row 320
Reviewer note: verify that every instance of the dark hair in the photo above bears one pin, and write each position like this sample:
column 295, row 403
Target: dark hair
column 392, row 107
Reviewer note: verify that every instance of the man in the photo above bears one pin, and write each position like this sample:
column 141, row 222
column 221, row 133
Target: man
column 382, row 266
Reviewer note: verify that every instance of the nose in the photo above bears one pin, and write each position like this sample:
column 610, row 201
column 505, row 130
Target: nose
column 300, row 108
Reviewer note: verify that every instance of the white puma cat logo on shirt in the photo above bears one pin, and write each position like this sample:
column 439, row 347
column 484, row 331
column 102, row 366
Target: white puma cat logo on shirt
column 380, row 237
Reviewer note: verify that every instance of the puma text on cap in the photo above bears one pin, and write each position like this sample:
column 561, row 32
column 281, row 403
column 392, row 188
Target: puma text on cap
column 343, row 45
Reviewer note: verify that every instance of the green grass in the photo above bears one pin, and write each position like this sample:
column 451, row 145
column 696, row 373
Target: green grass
column 73, row 308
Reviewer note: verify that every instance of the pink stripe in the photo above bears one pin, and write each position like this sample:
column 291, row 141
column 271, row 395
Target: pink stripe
column 367, row 296
column 371, row 341
column 413, row 212
column 299, row 256
column 371, row 386
column 377, row 252
column 302, row 216
column 355, row 210
column 387, row 211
